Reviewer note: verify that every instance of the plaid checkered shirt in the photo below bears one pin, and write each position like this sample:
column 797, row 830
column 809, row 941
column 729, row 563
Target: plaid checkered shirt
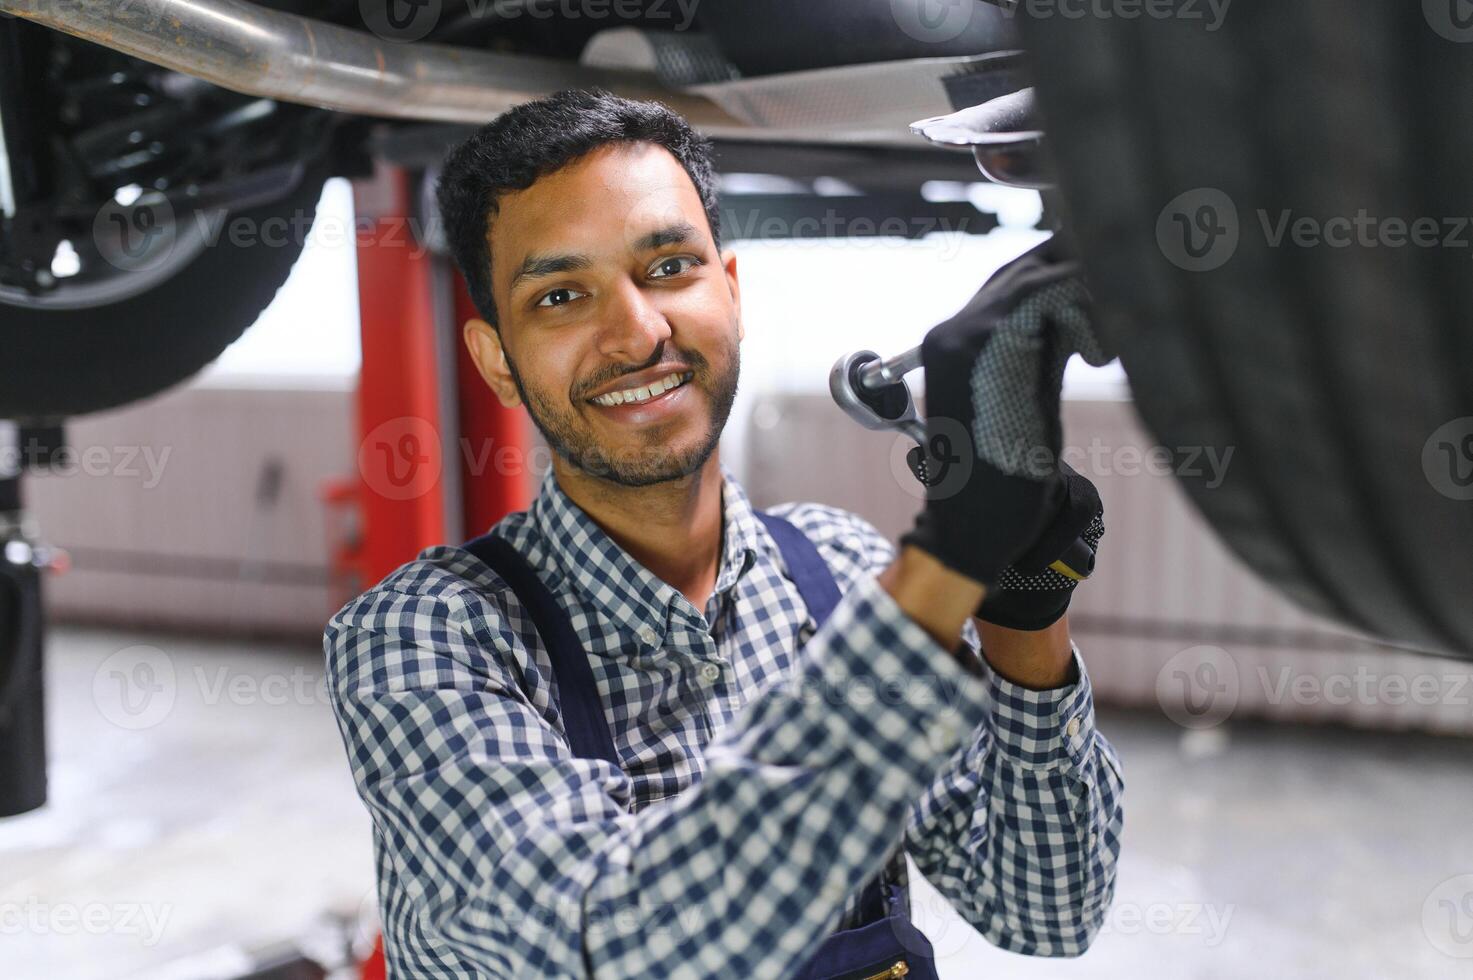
column 769, row 769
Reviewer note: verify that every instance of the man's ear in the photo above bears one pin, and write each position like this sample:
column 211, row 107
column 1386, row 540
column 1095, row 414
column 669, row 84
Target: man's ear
column 729, row 263
column 484, row 344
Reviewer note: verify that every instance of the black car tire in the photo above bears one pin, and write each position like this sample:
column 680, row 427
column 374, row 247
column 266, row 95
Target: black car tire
column 68, row 362
column 1341, row 376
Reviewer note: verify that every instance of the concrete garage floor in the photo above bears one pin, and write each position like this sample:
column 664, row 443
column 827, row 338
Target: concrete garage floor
column 1274, row 851
column 204, row 807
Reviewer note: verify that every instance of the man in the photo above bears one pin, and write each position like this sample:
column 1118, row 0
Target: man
column 765, row 772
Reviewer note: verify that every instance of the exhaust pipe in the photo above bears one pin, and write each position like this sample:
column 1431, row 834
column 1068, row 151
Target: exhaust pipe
column 250, row 49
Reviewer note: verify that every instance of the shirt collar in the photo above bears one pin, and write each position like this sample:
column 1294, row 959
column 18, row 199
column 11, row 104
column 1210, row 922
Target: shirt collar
column 617, row 585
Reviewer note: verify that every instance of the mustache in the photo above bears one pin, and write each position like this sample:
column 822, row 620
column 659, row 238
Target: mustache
column 694, row 362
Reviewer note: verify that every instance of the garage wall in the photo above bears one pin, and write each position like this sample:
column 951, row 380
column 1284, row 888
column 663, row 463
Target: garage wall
column 199, row 508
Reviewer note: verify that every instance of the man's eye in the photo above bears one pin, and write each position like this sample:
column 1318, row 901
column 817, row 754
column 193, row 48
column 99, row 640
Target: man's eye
column 674, row 260
column 564, row 297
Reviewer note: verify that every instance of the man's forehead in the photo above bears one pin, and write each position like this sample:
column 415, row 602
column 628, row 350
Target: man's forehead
column 620, row 198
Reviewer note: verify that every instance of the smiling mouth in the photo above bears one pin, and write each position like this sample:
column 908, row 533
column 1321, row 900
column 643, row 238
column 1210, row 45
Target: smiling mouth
column 638, row 396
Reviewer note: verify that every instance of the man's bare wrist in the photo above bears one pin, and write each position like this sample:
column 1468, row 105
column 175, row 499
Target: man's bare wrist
column 937, row 598
column 1041, row 660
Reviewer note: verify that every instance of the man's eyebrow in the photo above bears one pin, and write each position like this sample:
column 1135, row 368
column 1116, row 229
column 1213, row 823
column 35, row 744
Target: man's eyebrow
column 540, row 265
column 680, row 233
column 537, row 266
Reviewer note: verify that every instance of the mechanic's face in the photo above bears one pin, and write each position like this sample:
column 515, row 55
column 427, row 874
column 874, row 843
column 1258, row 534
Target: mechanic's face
column 604, row 275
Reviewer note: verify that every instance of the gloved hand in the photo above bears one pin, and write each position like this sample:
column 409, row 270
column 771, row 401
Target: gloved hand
column 993, row 374
column 1030, row 594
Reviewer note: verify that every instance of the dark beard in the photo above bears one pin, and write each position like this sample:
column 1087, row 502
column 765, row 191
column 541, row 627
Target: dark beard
column 567, row 436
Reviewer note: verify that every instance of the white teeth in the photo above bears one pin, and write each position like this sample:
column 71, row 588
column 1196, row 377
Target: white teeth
column 643, row 394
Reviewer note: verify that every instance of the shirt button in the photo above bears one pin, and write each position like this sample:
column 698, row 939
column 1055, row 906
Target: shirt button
column 1072, row 729
column 647, row 634
column 711, row 672
column 943, row 736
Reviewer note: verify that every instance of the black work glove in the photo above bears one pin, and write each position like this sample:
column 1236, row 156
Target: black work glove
column 1034, row 591
column 993, row 374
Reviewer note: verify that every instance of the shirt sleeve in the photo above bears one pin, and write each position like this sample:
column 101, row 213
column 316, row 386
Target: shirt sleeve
column 523, row 860
column 1020, row 830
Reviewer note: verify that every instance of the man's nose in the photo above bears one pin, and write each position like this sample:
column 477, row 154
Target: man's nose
column 633, row 325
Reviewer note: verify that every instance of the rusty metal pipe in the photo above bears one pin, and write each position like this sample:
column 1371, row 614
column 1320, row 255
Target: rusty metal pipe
column 256, row 51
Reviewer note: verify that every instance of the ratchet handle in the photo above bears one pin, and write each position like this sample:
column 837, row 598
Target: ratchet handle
column 888, row 401
column 884, row 401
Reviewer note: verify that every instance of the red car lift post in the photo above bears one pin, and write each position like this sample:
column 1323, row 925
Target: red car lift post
column 438, row 458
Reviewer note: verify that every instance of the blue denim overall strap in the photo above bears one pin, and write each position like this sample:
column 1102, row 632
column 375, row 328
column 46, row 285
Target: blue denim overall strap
column 805, row 565
column 887, row 936
column 578, row 700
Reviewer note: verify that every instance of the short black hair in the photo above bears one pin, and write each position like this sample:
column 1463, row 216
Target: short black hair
column 537, row 138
